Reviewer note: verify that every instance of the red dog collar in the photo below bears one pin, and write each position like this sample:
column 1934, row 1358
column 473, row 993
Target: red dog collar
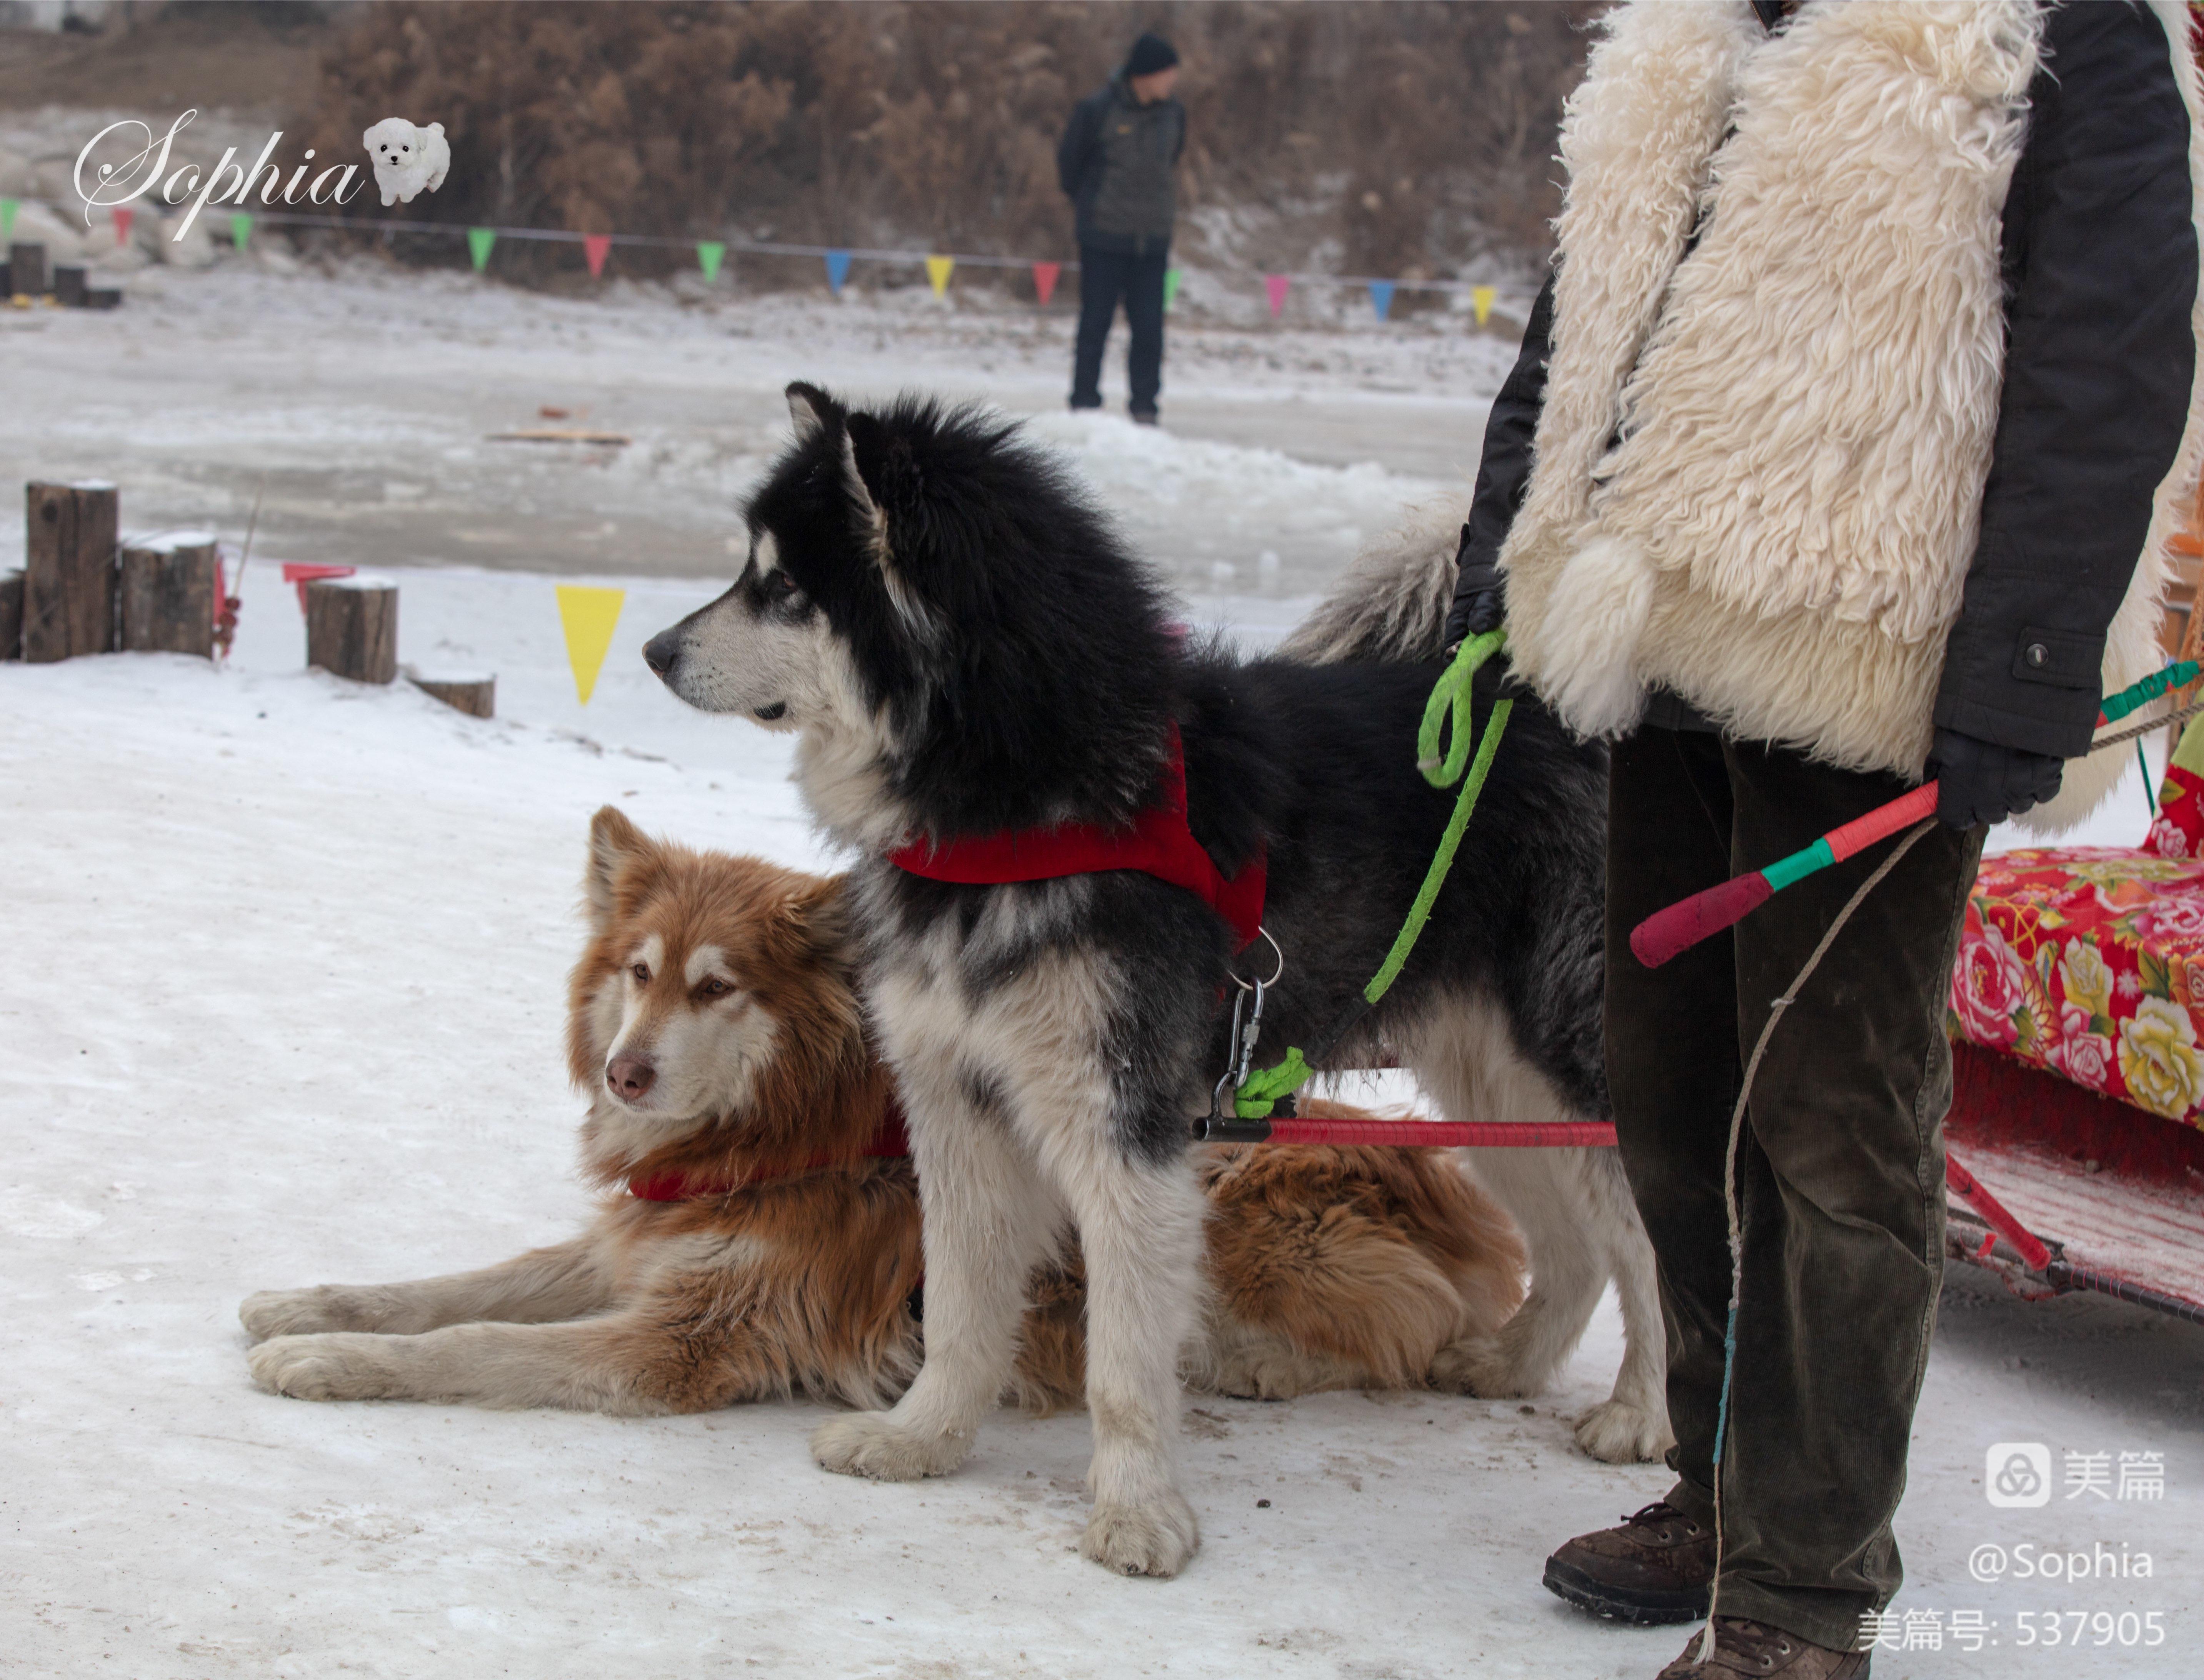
column 890, row 1142
column 1159, row 843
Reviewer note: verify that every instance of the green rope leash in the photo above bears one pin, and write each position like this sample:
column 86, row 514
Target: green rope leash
column 1449, row 702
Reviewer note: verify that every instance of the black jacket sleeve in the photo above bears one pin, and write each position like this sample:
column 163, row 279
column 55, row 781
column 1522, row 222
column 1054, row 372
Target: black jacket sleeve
column 2100, row 263
column 1503, row 470
column 1075, row 153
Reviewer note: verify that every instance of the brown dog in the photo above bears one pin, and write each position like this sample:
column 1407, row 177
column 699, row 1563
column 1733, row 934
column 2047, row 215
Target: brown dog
column 763, row 1237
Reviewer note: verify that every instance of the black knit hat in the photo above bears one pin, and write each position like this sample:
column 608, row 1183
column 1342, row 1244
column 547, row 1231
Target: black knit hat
column 1150, row 54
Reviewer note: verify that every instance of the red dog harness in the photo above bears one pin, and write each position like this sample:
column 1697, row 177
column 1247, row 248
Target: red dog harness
column 890, row 1142
column 1159, row 844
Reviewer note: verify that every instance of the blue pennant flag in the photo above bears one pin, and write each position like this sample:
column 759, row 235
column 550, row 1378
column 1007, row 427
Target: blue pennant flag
column 1381, row 293
column 838, row 269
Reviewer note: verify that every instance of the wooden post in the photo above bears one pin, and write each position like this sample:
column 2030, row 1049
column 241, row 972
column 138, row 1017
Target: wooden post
column 168, row 589
column 351, row 628
column 11, row 615
column 68, row 285
column 477, row 696
column 26, row 269
column 68, row 588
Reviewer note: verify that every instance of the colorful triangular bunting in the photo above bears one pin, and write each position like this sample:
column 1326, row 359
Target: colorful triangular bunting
column 123, row 216
column 938, row 270
column 7, row 217
column 710, row 253
column 838, row 269
column 587, row 615
column 1044, row 275
column 479, row 241
column 241, row 229
column 1170, row 286
column 596, row 247
column 1274, row 287
column 1481, row 297
column 1381, row 296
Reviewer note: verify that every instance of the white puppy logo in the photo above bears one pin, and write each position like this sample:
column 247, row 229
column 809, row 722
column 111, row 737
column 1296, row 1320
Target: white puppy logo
column 407, row 158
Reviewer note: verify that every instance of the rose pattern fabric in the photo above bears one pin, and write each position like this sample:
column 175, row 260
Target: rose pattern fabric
column 2177, row 831
column 2088, row 962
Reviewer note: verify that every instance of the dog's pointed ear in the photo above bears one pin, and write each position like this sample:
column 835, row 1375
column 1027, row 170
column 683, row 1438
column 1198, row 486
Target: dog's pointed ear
column 868, row 457
column 615, row 845
column 820, row 911
column 813, row 411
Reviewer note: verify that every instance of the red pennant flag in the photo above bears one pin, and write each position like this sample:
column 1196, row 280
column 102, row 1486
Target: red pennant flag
column 303, row 573
column 123, row 216
column 596, row 247
column 1275, row 284
column 1044, row 275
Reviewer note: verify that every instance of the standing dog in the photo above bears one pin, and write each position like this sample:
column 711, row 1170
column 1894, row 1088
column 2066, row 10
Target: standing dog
column 770, row 1247
column 964, row 649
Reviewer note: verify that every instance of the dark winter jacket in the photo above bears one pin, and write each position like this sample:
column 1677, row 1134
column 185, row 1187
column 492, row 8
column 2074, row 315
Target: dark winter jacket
column 2101, row 270
column 1117, row 161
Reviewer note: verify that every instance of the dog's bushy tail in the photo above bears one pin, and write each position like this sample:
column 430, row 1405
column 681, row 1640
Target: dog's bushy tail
column 1391, row 603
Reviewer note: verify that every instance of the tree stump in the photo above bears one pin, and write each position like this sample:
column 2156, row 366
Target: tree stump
column 169, row 590
column 351, row 628
column 477, row 696
column 11, row 615
column 68, row 587
column 68, row 285
column 26, row 269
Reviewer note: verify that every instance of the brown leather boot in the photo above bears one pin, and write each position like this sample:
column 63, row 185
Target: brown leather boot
column 1653, row 1570
column 1755, row 1649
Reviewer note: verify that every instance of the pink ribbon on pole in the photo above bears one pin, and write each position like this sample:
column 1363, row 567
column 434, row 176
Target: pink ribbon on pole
column 1275, row 286
column 305, row 572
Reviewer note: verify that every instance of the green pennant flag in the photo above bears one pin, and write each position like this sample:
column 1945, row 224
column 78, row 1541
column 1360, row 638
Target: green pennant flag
column 708, row 253
column 479, row 241
column 1170, row 287
column 7, row 217
column 240, row 229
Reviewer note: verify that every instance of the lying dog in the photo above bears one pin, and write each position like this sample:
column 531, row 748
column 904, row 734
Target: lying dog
column 974, row 664
column 768, row 1242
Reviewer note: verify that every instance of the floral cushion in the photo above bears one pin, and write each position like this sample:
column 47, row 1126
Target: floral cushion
column 2088, row 961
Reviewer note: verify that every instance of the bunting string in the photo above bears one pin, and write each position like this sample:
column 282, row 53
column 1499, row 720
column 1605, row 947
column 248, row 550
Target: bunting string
column 711, row 255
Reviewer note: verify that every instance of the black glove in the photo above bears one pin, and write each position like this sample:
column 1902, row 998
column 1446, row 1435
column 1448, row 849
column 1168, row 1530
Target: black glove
column 1980, row 782
column 1481, row 595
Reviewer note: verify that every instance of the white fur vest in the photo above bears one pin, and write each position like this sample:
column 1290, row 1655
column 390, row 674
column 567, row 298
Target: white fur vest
column 1759, row 466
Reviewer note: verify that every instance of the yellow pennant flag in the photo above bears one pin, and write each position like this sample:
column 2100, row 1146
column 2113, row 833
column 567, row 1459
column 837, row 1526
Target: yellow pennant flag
column 589, row 616
column 1481, row 297
column 936, row 270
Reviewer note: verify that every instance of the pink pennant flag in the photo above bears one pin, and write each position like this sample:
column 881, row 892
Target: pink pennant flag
column 123, row 216
column 1044, row 275
column 1276, row 286
column 596, row 247
column 303, row 572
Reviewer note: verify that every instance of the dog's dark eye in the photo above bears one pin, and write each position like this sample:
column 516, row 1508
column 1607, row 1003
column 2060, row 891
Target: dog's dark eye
column 641, row 973
column 784, row 583
column 714, row 987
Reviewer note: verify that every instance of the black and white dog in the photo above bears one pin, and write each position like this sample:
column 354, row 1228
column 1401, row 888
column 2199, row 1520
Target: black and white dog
column 964, row 647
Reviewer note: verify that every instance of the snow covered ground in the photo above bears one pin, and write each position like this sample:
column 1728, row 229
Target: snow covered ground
column 280, row 969
column 281, row 988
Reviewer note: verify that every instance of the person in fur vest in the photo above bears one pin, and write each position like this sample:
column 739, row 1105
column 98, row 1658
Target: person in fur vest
column 1842, row 452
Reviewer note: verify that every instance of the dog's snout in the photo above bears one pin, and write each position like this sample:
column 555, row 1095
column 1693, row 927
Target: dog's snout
column 629, row 1077
column 661, row 651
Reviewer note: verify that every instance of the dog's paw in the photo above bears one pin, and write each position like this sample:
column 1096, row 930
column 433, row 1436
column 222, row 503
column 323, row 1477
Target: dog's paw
column 873, row 1444
column 294, row 1312
column 339, row 1367
column 1478, row 1366
column 1155, row 1538
column 1618, row 1433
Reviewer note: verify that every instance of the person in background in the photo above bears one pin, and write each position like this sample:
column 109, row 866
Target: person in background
column 1117, row 161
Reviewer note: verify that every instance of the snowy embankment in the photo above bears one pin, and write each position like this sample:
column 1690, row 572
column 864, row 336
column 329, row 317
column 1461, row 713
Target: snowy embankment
column 281, row 991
